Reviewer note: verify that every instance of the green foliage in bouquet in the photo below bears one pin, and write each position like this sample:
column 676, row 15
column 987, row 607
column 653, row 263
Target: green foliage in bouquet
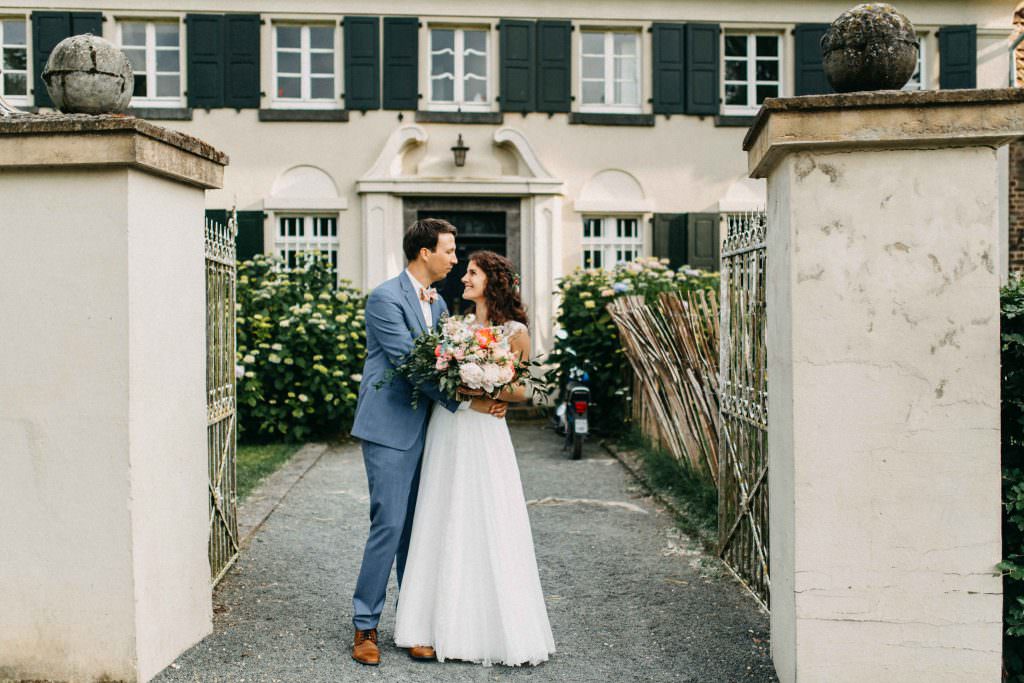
column 301, row 345
column 1013, row 477
column 587, row 339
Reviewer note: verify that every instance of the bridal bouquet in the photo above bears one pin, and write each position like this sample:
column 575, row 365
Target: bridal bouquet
column 463, row 353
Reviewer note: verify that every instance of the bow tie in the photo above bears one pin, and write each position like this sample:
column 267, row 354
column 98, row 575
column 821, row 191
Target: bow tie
column 428, row 294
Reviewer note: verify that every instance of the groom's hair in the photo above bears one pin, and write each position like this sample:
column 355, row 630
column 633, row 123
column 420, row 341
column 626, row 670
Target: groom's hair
column 423, row 233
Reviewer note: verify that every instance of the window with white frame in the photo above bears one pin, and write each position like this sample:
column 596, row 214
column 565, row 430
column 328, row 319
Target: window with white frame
column 752, row 71
column 608, row 240
column 304, row 66
column 459, row 63
column 154, row 50
column 299, row 235
column 919, row 81
column 610, row 71
column 14, row 61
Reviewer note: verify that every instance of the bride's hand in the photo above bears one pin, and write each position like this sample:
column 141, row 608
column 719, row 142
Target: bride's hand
column 466, row 391
column 489, row 406
column 498, row 409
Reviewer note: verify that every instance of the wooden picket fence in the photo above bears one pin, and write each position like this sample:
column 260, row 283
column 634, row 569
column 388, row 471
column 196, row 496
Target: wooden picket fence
column 701, row 390
column 673, row 349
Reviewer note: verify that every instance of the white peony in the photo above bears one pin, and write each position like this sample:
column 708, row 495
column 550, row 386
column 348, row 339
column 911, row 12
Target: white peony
column 472, row 375
column 492, row 376
column 506, row 373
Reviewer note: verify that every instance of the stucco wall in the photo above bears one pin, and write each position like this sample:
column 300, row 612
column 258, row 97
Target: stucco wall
column 884, row 328
column 66, row 579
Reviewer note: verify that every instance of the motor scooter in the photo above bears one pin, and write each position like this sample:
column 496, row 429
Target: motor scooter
column 573, row 413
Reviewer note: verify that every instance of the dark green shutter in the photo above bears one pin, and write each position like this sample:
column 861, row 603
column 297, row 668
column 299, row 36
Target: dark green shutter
column 958, row 57
column 48, row 29
column 401, row 63
column 205, row 60
column 702, row 236
column 518, row 65
column 809, row 73
column 554, row 65
column 670, row 238
column 669, row 68
column 701, row 46
column 218, row 216
column 249, row 241
column 362, row 63
column 242, row 61
column 86, row 22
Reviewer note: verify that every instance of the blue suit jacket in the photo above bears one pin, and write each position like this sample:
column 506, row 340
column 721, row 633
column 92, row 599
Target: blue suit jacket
column 393, row 320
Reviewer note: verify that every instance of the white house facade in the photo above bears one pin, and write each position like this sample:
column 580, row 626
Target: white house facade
column 592, row 132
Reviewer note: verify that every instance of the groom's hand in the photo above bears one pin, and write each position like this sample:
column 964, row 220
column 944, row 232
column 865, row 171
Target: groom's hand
column 466, row 391
column 499, row 408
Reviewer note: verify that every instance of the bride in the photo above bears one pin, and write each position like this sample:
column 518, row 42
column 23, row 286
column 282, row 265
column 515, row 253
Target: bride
column 471, row 589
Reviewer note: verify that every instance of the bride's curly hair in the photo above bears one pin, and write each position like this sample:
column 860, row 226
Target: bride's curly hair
column 502, row 289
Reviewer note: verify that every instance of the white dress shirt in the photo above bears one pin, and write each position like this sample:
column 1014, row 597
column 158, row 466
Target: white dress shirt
column 424, row 305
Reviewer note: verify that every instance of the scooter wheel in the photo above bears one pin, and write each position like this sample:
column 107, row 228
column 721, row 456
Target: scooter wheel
column 577, row 446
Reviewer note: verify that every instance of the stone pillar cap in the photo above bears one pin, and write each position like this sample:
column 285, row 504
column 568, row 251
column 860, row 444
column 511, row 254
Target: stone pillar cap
column 67, row 140
column 889, row 119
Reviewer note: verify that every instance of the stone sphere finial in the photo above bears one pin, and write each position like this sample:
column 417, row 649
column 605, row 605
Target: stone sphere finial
column 869, row 47
column 86, row 74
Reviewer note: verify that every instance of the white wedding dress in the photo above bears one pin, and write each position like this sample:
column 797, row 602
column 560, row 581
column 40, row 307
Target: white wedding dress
column 471, row 588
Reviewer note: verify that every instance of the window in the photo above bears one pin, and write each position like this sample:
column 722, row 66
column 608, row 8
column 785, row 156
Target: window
column 609, row 240
column 304, row 66
column 610, row 71
column 302, row 234
column 752, row 71
column 14, row 64
column 154, row 50
column 458, row 69
column 917, row 81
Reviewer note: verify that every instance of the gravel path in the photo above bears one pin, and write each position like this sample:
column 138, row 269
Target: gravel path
column 629, row 597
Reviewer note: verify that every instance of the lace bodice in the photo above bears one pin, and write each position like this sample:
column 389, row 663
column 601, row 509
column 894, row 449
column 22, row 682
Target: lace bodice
column 514, row 327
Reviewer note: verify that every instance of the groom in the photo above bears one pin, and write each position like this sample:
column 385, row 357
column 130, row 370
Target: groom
column 392, row 431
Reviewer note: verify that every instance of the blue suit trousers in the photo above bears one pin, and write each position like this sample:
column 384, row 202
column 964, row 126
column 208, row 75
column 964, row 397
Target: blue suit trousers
column 393, row 476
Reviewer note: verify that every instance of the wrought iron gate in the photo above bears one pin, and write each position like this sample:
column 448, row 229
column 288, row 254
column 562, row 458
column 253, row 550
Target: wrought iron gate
column 220, row 393
column 743, row 447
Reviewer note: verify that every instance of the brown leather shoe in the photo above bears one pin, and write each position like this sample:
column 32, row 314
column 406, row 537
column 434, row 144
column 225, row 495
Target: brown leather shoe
column 364, row 647
column 423, row 653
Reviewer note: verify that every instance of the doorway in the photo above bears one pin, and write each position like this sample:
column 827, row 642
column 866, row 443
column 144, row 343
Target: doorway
column 477, row 230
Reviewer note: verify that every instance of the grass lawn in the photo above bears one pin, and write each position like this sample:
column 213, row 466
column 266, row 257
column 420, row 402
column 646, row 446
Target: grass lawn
column 691, row 491
column 253, row 463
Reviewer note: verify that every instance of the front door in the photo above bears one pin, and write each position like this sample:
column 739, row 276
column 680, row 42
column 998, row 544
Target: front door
column 478, row 230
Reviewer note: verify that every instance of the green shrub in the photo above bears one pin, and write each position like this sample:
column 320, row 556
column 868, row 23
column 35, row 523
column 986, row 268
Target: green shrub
column 1013, row 476
column 301, row 343
column 587, row 339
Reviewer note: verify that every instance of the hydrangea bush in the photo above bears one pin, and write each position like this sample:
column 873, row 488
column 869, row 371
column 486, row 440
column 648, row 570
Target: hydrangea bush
column 1012, row 334
column 301, row 345
column 587, row 339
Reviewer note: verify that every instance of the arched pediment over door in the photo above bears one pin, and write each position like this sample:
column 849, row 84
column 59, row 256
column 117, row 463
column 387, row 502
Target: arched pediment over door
column 412, row 165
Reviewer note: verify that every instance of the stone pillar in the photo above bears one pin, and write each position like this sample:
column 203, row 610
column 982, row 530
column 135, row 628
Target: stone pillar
column 103, row 464
column 541, row 255
column 883, row 359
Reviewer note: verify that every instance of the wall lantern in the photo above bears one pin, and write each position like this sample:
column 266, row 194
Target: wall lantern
column 459, row 150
